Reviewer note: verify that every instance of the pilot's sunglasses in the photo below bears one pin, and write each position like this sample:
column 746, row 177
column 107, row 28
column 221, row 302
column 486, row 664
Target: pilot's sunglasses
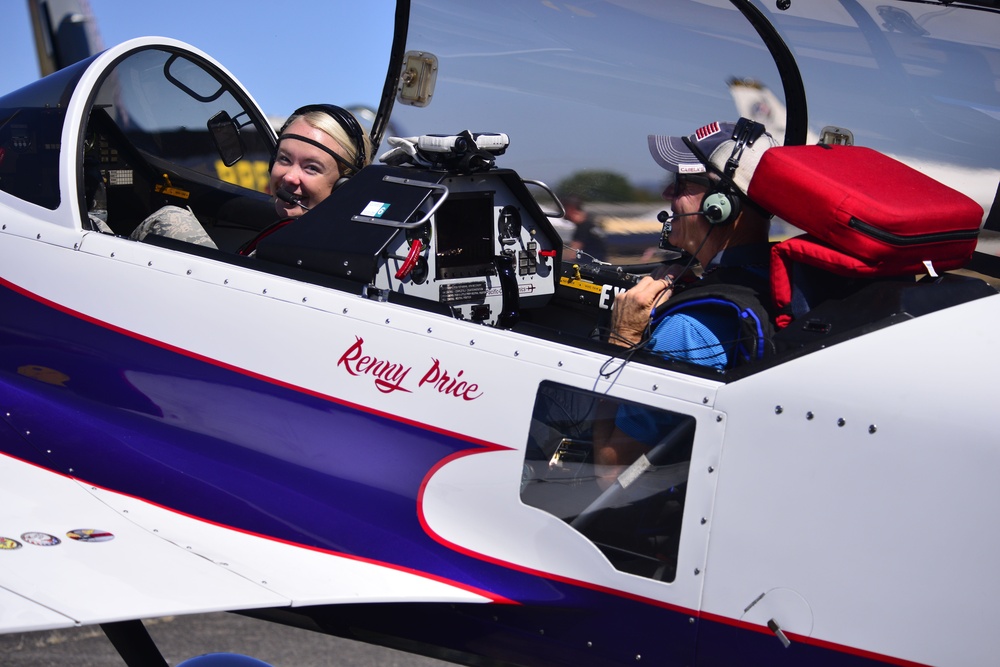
column 679, row 185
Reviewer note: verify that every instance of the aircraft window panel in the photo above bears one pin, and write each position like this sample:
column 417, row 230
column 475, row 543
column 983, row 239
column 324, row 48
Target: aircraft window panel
column 163, row 104
column 632, row 512
column 31, row 124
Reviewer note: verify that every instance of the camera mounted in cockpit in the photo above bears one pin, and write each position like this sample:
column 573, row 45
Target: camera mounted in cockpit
column 462, row 153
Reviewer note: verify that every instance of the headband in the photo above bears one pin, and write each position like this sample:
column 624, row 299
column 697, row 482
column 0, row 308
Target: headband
column 326, row 149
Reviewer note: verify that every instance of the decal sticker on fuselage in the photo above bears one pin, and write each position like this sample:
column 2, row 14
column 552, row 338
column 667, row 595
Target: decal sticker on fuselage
column 390, row 376
column 90, row 535
column 40, row 539
column 7, row 544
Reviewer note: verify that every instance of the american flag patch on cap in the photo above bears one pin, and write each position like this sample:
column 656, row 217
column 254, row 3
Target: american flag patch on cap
column 707, row 131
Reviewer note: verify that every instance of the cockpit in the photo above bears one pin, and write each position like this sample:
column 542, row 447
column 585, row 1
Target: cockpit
column 456, row 221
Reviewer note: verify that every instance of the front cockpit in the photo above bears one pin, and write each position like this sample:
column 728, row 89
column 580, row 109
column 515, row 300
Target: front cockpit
column 445, row 227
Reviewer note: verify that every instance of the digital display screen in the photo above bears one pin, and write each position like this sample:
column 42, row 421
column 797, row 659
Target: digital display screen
column 464, row 229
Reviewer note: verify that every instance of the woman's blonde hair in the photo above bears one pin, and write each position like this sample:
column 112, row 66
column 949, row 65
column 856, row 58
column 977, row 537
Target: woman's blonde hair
column 328, row 124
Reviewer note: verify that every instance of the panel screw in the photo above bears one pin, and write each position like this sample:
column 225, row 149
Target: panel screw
column 778, row 409
column 872, row 428
column 810, row 415
column 841, row 421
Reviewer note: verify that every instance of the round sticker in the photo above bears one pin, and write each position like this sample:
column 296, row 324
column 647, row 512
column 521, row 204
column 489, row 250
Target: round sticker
column 90, row 535
column 40, row 539
column 7, row 544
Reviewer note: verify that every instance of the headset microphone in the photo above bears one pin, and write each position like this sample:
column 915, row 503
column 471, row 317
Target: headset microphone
column 662, row 216
column 287, row 197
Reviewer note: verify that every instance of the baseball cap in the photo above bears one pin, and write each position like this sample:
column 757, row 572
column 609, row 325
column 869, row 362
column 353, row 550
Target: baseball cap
column 715, row 142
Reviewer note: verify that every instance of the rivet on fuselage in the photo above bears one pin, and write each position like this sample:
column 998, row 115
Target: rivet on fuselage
column 778, row 409
column 872, row 428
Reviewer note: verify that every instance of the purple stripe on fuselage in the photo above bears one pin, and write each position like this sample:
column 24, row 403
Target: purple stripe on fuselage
column 208, row 441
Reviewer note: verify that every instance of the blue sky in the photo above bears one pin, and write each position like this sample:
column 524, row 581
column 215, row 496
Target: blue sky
column 285, row 59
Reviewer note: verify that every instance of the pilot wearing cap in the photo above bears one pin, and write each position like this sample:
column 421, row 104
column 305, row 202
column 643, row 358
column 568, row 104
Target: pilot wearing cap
column 722, row 317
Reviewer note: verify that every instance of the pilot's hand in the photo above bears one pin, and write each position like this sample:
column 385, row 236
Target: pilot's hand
column 630, row 314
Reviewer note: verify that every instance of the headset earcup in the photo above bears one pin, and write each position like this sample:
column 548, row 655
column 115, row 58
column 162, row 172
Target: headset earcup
column 720, row 207
column 340, row 181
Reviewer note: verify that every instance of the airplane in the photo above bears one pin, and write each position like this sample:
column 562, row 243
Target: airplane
column 380, row 426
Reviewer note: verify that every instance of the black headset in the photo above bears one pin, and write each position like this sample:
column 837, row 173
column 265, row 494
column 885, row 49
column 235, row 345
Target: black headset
column 346, row 120
column 723, row 203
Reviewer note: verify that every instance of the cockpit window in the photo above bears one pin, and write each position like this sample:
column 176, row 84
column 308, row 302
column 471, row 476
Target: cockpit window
column 31, row 124
column 164, row 104
column 632, row 511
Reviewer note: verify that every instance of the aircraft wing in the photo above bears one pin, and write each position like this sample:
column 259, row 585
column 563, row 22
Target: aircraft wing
column 74, row 554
